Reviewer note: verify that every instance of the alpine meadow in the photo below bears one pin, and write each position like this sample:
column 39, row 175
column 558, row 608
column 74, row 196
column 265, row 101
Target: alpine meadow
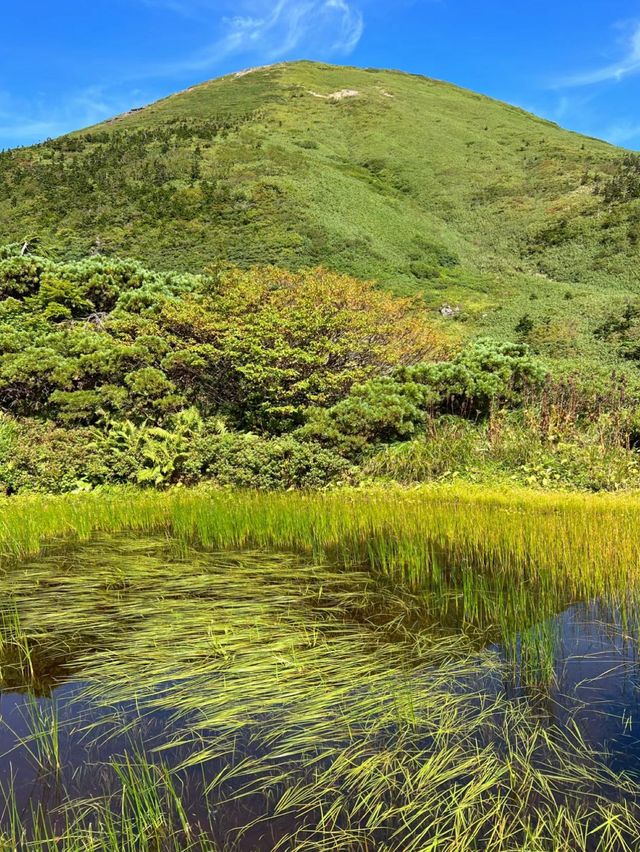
column 320, row 475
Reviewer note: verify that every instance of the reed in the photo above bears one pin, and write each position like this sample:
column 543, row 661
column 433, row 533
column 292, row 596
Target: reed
column 43, row 740
column 326, row 657
column 16, row 652
column 406, row 534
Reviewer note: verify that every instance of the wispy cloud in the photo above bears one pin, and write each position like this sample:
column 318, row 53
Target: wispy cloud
column 333, row 24
column 626, row 65
column 24, row 123
column 245, row 32
column 626, row 133
column 267, row 31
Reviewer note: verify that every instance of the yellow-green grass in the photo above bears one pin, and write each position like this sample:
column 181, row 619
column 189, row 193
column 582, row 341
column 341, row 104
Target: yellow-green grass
column 490, row 562
column 407, row 533
column 309, row 688
column 304, row 681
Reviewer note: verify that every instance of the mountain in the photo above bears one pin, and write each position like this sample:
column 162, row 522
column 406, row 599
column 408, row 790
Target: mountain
column 423, row 186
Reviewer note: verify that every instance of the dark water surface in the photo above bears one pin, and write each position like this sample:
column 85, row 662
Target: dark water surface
column 218, row 675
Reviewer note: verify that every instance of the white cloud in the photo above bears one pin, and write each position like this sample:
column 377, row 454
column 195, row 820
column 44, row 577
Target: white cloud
column 24, row 123
column 626, row 66
column 257, row 32
column 623, row 133
column 266, row 31
column 330, row 24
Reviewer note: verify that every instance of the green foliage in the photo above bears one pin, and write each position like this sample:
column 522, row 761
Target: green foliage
column 144, row 367
column 525, row 325
column 249, row 461
column 422, row 186
column 624, row 184
column 285, row 341
column 257, row 347
column 481, row 378
column 151, row 455
column 513, row 453
column 112, row 374
column 42, row 457
column 623, row 329
column 380, row 411
column 484, row 375
column 451, row 449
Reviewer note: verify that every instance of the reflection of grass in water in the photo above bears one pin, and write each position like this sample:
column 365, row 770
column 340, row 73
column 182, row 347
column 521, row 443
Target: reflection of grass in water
column 533, row 653
column 16, row 658
column 148, row 817
column 43, row 741
column 346, row 702
column 321, row 694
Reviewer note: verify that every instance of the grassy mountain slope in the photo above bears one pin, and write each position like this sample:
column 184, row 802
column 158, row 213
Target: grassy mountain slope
column 421, row 185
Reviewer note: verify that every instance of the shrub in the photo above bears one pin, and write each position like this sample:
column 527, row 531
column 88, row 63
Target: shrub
column 624, row 184
column 151, row 455
column 152, row 394
column 380, row 411
column 482, row 378
column 257, row 346
column 249, row 461
column 585, row 467
column 43, row 457
column 507, row 450
column 279, row 342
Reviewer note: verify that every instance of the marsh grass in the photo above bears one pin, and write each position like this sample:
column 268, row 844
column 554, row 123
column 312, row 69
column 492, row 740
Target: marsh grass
column 402, row 532
column 15, row 646
column 43, row 740
column 325, row 664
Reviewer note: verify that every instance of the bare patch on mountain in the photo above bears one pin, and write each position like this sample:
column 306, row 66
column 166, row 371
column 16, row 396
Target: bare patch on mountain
column 257, row 68
column 336, row 96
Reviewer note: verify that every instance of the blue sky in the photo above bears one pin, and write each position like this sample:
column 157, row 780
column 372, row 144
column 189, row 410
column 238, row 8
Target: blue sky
column 65, row 64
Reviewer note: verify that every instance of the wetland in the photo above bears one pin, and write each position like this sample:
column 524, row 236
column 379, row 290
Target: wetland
column 428, row 669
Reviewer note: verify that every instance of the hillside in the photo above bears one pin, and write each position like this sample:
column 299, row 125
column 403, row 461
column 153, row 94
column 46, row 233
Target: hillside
column 418, row 184
column 138, row 371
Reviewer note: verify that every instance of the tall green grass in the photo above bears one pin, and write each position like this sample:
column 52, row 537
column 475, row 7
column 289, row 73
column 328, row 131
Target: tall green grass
column 407, row 534
column 321, row 680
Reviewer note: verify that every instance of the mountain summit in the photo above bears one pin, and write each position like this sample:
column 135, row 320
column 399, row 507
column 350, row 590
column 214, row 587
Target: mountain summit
column 419, row 184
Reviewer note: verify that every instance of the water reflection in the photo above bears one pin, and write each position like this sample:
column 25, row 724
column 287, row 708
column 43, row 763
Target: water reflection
column 221, row 666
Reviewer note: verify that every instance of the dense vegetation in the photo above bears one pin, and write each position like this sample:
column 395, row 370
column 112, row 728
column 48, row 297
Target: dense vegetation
column 264, row 361
column 111, row 374
column 312, row 672
column 414, row 183
column 340, row 278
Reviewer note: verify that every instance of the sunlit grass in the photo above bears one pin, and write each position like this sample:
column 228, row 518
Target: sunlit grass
column 326, row 663
column 408, row 534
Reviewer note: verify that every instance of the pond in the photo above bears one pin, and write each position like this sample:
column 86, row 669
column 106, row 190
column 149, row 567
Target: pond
column 159, row 696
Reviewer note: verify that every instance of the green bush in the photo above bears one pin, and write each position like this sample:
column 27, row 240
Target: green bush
column 110, row 373
column 588, row 467
column 44, row 457
column 484, row 377
column 379, row 411
column 151, row 455
column 249, row 461
column 624, row 184
column 257, row 347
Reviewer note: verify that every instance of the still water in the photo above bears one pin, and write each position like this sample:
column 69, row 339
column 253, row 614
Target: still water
column 255, row 701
